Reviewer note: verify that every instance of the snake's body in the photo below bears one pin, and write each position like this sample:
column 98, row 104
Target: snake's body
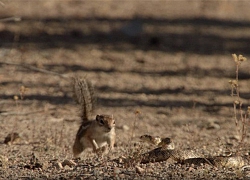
column 164, row 153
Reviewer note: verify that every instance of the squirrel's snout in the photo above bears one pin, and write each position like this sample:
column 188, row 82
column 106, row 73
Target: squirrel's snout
column 109, row 128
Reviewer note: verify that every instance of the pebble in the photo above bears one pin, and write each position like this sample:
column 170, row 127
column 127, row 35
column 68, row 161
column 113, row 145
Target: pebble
column 117, row 170
column 58, row 165
column 125, row 128
column 139, row 170
column 213, row 125
column 69, row 163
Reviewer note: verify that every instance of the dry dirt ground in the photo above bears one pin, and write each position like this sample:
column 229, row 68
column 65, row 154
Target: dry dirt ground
column 168, row 60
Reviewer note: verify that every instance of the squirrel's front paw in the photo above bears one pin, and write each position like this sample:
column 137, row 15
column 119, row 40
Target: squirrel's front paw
column 102, row 150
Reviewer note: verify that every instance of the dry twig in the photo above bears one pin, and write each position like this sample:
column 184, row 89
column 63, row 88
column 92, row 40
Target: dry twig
column 35, row 69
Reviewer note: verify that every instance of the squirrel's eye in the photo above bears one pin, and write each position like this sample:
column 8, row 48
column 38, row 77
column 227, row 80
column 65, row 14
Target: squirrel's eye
column 101, row 122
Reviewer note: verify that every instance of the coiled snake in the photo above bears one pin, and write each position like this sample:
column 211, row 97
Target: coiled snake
column 167, row 150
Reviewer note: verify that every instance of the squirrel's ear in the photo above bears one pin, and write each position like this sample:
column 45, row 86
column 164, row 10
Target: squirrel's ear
column 97, row 117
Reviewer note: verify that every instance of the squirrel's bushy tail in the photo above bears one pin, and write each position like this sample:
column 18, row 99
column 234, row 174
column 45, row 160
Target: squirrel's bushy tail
column 84, row 95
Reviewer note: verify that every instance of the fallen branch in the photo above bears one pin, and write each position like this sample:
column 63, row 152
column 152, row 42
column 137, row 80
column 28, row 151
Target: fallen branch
column 10, row 18
column 35, row 69
column 16, row 113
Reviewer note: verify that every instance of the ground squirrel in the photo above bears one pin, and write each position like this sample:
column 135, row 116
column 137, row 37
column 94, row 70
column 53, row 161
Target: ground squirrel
column 98, row 133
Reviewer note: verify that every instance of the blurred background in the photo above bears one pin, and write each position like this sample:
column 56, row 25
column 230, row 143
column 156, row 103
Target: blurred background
column 169, row 60
column 195, row 26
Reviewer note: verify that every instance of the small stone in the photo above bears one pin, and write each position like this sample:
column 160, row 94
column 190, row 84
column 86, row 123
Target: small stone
column 96, row 172
column 58, row 165
column 69, row 163
column 122, row 176
column 3, row 158
column 117, row 170
column 68, row 167
column 235, row 137
column 139, row 170
column 3, row 161
column 125, row 128
column 191, row 169
column 213, row 125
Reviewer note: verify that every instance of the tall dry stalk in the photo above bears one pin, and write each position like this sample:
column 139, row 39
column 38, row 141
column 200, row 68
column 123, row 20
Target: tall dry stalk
column 240, row 115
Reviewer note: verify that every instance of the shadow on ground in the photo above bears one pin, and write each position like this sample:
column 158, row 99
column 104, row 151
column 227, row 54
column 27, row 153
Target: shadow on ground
column 69, row 33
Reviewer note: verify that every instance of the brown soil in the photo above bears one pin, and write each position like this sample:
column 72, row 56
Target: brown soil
column 170, row 61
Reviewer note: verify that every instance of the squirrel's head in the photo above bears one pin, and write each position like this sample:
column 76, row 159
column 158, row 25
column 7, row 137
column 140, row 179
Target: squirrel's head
column 106, row 121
